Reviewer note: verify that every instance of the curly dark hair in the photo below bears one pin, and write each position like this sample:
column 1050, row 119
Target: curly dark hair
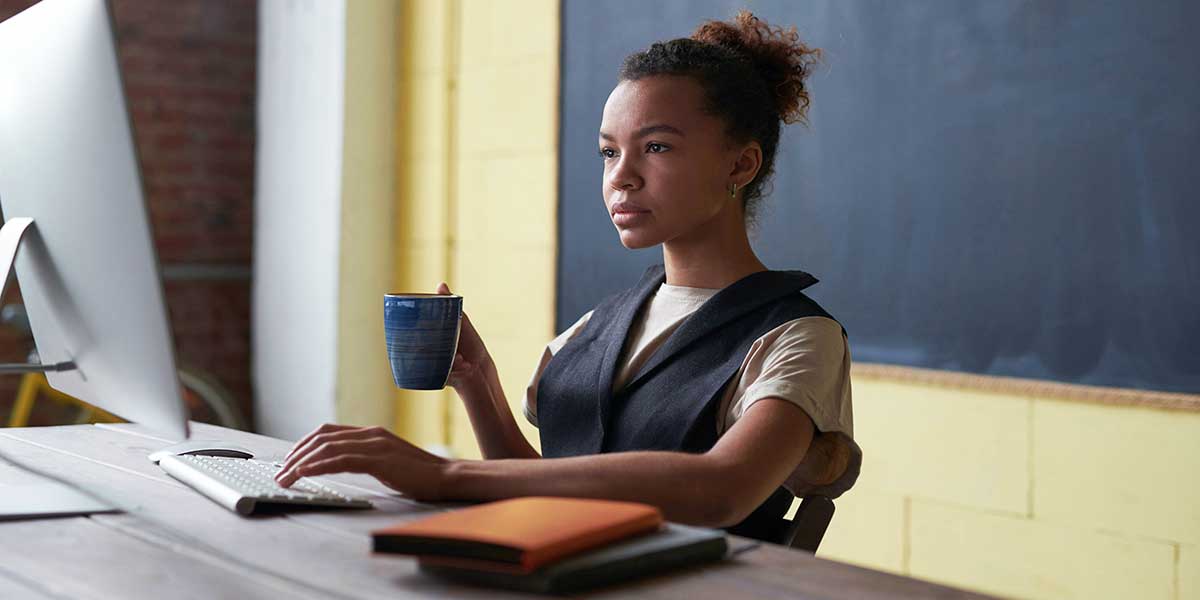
column 753, row 78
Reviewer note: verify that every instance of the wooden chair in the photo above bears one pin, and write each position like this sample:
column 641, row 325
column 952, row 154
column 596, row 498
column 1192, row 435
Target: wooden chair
column 833, row 459
column 805, row 530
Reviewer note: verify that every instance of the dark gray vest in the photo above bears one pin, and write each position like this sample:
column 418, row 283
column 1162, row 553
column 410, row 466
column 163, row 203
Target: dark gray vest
column 671, row 403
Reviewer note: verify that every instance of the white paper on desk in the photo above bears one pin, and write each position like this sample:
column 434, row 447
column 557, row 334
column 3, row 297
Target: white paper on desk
column 38, row 500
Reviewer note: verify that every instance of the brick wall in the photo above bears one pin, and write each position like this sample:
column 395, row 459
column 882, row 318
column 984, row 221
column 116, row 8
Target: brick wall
column 189, row 72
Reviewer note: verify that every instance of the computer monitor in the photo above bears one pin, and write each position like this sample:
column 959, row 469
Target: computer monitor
column 87, row 269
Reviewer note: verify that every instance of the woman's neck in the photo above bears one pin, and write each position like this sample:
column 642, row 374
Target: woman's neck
column 714, row 255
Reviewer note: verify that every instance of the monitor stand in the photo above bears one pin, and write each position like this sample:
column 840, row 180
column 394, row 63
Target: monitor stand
column 40, row 496
column 10, row 239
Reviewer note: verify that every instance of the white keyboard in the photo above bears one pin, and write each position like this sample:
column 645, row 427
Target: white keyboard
column 241, row 484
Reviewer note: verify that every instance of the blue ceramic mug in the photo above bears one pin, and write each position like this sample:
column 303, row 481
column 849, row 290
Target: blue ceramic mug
column 422, row 336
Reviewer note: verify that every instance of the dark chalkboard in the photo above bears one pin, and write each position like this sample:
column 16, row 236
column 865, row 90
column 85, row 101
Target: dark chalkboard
column 994, row 187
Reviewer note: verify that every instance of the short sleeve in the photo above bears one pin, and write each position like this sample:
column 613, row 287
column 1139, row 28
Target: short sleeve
column 806, row 362
column 550, row 350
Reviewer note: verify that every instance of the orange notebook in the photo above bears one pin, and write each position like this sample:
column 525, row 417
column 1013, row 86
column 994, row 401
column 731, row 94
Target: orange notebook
column 521, row 533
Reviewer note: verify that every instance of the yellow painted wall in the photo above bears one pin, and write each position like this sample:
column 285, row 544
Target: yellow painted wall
column 478, row 168
column 1027, row 497
column 423, row 193
column 1020, row 496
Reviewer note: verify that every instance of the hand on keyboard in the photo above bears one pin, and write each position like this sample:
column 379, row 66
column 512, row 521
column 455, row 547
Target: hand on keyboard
column 241, row 485
column 257, row 478
column 371, row 450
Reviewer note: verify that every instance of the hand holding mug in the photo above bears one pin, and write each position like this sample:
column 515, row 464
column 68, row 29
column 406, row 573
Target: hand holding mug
column 472, row 357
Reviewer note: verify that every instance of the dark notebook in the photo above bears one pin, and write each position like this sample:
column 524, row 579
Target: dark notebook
column 518, row 534
column 672, row 547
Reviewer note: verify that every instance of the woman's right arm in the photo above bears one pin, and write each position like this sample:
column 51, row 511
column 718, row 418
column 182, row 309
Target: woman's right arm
column 491, row 418
column 474, row 376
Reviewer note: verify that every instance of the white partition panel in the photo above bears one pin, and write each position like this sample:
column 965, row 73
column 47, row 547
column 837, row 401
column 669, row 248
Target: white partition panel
column 301, row 72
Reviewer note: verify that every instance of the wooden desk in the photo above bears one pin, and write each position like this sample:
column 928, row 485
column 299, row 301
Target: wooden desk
column 175, row 543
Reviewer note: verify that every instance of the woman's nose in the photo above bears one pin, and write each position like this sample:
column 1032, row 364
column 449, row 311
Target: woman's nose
column 623, row 176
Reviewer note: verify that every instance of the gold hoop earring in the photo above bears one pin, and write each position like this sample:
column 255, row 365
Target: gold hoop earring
column 733, row 190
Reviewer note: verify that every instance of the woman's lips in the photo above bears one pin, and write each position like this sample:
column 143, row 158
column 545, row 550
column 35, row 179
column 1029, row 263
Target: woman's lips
column 626, row 218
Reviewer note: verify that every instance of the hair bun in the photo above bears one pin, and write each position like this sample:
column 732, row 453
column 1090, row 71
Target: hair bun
column 783, row 61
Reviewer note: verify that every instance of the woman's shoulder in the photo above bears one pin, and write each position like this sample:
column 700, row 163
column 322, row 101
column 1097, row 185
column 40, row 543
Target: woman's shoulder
column 815, row 337
column 811, row 327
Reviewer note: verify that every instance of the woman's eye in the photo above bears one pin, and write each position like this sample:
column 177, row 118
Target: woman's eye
column 607, row 153
column 655, row 147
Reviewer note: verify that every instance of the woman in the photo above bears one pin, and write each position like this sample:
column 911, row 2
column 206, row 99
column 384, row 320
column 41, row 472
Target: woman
column 718, row 418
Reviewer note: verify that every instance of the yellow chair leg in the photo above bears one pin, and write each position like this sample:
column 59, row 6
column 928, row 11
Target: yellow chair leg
column 26, row 394
column 35, row 384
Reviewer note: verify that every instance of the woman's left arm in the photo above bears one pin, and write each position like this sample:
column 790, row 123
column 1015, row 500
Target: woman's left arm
column 718, row 488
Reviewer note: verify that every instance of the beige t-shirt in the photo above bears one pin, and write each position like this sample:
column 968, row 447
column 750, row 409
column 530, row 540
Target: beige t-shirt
column 805, row 361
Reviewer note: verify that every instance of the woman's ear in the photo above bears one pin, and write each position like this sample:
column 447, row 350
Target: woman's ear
column 746, row 164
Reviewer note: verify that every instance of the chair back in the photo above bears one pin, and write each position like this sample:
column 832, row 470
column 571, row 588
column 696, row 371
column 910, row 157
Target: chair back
column 805, row 530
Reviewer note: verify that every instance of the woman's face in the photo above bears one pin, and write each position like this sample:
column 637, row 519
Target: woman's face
column 667, row 165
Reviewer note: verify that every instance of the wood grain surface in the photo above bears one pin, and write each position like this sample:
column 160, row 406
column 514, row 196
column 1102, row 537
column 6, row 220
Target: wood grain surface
column 172, row 542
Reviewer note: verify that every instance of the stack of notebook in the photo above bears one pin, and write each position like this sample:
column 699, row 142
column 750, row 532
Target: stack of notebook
column 553, row 545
